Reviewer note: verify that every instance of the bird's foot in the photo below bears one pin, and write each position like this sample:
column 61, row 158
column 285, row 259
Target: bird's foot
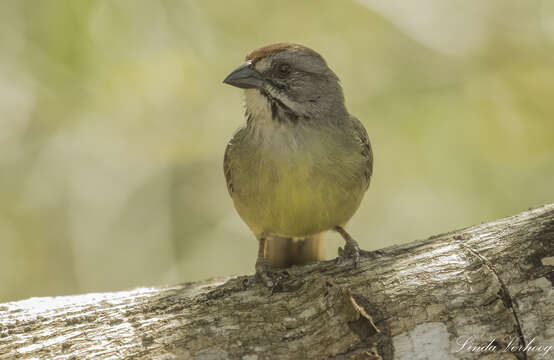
column 351, row 248
column 350, row 251
column 267, row 274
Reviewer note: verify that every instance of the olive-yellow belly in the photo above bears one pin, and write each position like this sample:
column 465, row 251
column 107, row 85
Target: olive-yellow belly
column 296, row 192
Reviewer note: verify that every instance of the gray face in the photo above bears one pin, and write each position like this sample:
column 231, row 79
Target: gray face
column 296, row 83
column 301, row 77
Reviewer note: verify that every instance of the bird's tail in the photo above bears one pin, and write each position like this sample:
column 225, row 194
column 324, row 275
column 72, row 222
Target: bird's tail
column 285, row 252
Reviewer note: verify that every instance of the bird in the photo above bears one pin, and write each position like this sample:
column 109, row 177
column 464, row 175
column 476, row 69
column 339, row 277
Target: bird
column 301, row 164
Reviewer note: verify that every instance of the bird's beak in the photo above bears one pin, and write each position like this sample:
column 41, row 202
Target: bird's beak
column 245, row 77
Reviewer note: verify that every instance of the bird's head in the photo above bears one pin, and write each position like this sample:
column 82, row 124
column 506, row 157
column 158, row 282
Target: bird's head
column 288, row 82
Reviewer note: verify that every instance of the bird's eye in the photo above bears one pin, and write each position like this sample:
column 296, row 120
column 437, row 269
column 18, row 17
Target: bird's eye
column 284, row 69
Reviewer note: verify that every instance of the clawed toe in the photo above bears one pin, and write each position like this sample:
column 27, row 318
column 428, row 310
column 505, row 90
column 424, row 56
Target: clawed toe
column 266, row 278
column 269, row 276
column 350, row 251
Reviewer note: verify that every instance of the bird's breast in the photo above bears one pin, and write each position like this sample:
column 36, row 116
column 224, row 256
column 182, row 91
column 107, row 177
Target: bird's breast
column 295, row 183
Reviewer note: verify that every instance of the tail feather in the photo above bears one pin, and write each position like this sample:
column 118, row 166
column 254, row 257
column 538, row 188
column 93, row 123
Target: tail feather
column 285, row 252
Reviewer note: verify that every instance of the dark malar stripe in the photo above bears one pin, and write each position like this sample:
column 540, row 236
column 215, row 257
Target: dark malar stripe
column 276, row 105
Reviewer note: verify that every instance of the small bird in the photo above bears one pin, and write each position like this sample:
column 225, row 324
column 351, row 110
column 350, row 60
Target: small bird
column 301, row 164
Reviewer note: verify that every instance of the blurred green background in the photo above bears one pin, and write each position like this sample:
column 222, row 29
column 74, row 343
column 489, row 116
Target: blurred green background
column 114, row 120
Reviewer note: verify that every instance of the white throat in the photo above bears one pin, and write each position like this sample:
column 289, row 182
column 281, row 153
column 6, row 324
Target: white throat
column 257, row 106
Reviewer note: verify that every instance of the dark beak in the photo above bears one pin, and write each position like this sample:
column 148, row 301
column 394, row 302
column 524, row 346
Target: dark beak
column 245, row 77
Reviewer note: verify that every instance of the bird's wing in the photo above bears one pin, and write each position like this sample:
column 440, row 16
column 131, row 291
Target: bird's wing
column 227, row 159
column 361, row 135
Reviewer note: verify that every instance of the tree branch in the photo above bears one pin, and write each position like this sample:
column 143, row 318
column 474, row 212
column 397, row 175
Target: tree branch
column 488, row 285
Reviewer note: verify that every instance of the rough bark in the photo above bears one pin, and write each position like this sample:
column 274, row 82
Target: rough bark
column 491, row 283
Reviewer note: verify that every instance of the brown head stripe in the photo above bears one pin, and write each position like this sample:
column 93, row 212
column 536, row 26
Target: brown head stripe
column 262, row 52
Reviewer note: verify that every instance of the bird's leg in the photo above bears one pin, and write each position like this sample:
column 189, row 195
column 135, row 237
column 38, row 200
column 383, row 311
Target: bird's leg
column 351, row 248
column 263, row 267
